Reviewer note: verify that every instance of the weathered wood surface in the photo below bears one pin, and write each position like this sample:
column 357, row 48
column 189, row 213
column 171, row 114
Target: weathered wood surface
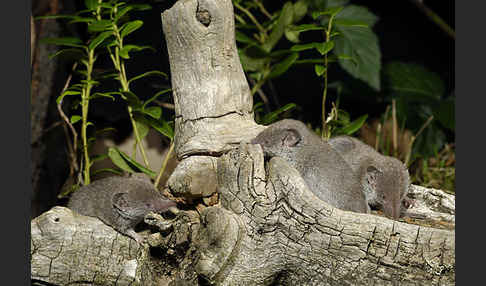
column 278, row 230
column 268, row 229
column 213, row 104
column 68, row 248
column 71, row 249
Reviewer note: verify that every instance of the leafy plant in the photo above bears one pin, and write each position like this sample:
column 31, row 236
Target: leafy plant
column 321, row 67
column 257, row 51
column 140, row 115
column 271, row 116
column 420, row 95
column 346, row 23
column 108, row 24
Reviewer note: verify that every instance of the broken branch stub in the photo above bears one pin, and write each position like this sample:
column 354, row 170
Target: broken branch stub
column 276, row 230
column 213, row 104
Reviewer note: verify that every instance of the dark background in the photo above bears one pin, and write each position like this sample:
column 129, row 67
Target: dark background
column 405, row 34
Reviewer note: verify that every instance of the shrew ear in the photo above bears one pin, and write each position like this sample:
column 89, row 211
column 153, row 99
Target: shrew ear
column 342, row 144
column 371, row 175
column 120, row 201
column 291, row 137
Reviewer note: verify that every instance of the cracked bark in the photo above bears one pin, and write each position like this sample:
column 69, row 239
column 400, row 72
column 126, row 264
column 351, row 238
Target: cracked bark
column 268, row 228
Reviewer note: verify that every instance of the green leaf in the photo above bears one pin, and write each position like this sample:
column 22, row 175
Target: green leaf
column 127, row 48
column 285, row 19
column 303, row 47
column 153, row 111
column 306, row 27
column 353, row 126
column 100, row 26
column 111, row 170
column 283, row 66
column 124, row 162
column 258, row 107
column 67, row 188
column 54, row 17
column 311, row 61
column 256, row 51
column 325, row 47
column 333, row 34
column 250, row 63
column 429, row 142
column 91, row 4
column 334, row 3
column 319, row 69
column 65, row 41
column 149, row 73
column 108, row 75
column 280, row 53
column 155, row 96
column 104, row 130
column 357, row 14
column 272, row 116
column 445, row 113
column 104, row 94
column 78, row 19
column 162, row 127
column 122, row 12
column 335, row 58
column 350, row 23
column 73, row 51
column 333, row 11
column 99, row 39
column 300, row 9
column 91, row 82
column 67, row 92
column 97, row 158
column 242, row 38
column 138, row 7
column 75, row 118
column 292, row 36
column 361, row 44
column 142, row 126
column 130, row 27
column 414, row 81
column 132, row 100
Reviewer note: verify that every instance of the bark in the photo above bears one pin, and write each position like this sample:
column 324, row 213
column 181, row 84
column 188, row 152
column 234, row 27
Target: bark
column 213, row 104
column 280, row 232
column 46, row 85
column 268, row 227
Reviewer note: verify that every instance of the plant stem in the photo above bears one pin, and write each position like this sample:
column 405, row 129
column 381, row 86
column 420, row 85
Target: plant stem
column 252, row 18
column 256, row 87
column 72, row 147
column 435, row 18
column 378, row 136
column 395, row 128
column 262, row 8
column 409, row 153
column 325, row 133
column 120, row 67
column 164, row 163
column 84, row 113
